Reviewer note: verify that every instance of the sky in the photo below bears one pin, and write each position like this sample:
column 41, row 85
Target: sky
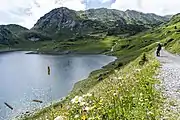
column 27, row 12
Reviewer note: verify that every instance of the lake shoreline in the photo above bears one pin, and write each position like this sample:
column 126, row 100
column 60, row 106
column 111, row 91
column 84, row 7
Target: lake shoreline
column 65, row 53
column 10, row 50
column 63, row 99
column 60, row 101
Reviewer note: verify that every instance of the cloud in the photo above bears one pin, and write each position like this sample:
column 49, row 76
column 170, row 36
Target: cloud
column 27, row 12
column 98, row 3
column 125, row 4
column 161, row 7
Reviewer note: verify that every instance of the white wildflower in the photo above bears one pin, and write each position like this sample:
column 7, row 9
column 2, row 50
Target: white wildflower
column 138, row 70
column 115, row 94
column 59, row 118
column 116, row 71
column 87, row 108
column 68, row 107
column 75, row 99
column 150, row 113
column 82, row 103
column 87, row 95
column 80, row 99
column 115, row 78
column 91, row 118
column 120, row 78
column 76, row 116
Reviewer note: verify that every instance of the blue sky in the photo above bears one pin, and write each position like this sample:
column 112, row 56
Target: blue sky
column 27, row 12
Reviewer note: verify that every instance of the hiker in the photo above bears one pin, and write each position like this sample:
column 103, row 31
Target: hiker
column 158, row 49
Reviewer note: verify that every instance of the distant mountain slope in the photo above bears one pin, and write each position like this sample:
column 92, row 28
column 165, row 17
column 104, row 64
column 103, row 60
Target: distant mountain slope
column 9, row 34
column 16, row 29
column 63, row 23
column 172, row 30
column 14, row 34
column 129, row 16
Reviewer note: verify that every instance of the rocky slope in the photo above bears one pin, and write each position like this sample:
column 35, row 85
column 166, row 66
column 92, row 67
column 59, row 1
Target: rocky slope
column 63, row 24
column 9, row 34
column 66, row 23
column 128, row 16
column 14, row 34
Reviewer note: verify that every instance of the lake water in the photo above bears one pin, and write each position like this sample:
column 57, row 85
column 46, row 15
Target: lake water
column 24, row 77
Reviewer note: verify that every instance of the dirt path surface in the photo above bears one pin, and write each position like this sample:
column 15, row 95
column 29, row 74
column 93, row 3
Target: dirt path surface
column 170, row 84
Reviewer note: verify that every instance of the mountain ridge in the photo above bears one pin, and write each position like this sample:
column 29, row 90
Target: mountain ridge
column 64, row 24
column 64, row 21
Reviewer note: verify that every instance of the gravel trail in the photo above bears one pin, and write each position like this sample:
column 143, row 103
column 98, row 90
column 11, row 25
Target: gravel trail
column 170, row 84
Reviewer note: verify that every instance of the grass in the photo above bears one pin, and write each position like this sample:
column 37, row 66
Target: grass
column 84, row 45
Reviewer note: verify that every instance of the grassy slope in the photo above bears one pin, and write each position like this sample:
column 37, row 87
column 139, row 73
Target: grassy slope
column 88, row 45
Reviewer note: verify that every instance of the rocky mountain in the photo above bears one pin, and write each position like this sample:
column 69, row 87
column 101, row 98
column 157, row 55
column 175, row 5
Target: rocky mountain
column 9, row 34
column 128, row 16
column 14, row 34
column 63, row 23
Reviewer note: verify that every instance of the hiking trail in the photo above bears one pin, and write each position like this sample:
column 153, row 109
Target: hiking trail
column 170, row 84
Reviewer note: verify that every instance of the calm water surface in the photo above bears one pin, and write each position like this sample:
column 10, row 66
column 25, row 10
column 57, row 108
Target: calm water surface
column 23, row 78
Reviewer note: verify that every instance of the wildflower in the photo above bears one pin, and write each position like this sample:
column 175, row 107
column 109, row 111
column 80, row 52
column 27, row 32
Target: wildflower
column 75, row 99
column 150, row 113
column 59, row 118
column 87, row 108
column 80, row 99
column 87, row 95
column 91, row 118
column 141, row 94
column 68, row 107
column 76, row 116
column 83, row 117
column 82, row 103
column 120, row 78
column 138, row 70
column 115, row 94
